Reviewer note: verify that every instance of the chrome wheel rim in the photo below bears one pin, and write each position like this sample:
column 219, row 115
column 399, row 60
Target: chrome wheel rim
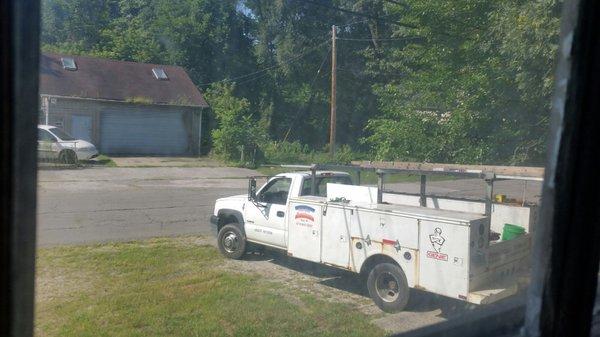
column 387, row 287
column 231, row 242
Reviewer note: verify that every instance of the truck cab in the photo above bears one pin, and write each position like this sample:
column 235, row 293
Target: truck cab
column 262, row 219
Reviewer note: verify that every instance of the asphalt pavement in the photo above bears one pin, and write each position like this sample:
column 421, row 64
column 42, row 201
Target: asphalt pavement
column 119, row 204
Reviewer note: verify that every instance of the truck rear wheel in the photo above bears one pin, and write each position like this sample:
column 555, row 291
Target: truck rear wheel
column 388, row 287
column 231, row 242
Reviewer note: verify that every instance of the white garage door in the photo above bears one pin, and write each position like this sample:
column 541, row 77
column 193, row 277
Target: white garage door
column 143, row 132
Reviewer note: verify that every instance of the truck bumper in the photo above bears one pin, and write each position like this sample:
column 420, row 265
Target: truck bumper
column 214, row 224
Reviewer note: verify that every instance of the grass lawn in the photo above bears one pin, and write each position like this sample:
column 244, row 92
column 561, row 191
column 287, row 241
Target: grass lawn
column 173, row 287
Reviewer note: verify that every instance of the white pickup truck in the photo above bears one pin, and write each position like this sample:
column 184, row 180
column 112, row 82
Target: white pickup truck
column 395, row 244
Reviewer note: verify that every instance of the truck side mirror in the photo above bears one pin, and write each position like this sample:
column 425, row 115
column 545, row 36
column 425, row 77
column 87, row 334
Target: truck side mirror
column 252, row 189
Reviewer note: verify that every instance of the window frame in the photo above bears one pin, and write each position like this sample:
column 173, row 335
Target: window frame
column 19, row 76
column 561, row 277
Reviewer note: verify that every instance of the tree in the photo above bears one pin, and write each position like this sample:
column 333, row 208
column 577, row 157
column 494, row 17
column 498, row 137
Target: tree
column 236, row 131
column 474, row 86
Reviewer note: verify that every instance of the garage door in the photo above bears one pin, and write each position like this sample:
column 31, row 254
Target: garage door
column 143, row 132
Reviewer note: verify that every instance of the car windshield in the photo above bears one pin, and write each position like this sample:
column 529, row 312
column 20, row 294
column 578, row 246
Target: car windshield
column 61, row 134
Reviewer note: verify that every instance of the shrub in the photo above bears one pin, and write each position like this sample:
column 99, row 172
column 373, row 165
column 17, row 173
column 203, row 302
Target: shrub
column 237, row 131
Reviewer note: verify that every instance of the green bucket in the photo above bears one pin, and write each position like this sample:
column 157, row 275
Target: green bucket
column 511, row 231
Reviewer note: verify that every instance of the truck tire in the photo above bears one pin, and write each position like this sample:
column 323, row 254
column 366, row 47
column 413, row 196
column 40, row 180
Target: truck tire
column 231, row 242
column 388, row 287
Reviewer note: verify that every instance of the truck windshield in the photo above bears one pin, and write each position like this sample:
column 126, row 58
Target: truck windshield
column 322, row 184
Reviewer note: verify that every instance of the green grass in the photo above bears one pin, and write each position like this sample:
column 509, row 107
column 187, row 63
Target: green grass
column 366, row 177
column 102, row 160
column 173, row 287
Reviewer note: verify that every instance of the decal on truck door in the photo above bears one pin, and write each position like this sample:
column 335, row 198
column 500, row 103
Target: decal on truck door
column 437, row 242
column 304, row 216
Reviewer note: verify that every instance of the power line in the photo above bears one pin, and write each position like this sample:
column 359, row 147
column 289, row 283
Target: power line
column 403, row 4
column 320, row 4
column 295, row 58
column 381, row 18
column 384, row 39
column 252, row 79
column 367, row 20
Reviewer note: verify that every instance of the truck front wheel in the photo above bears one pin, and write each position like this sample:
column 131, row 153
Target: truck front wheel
column 231, row 242
column 388, row 287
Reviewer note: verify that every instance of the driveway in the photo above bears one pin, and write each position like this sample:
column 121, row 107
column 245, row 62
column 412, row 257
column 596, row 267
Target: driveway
column 105, row 204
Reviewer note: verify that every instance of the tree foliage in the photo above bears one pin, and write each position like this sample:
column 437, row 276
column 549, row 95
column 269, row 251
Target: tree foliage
column 451, row 81
column 236, row 133
column 475, row 85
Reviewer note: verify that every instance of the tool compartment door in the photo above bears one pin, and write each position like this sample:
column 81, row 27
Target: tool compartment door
column 336, row 235
column 444, row 258
column 395, row 229
column 304, row 230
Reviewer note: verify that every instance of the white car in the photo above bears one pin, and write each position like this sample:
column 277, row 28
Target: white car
column 56, row 144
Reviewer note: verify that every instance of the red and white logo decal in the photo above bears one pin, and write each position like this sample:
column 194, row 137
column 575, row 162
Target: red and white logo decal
column 437, row 256
column 304, row 216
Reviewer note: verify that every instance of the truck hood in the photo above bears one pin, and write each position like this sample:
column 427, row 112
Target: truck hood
column 235, row 202
column 240, row 197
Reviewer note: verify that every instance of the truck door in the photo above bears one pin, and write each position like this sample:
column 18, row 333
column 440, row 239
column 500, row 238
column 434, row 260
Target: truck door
column 265, row 219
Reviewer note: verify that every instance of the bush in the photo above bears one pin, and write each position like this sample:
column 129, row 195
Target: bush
column 285, row 152
column 296, row 153
column 237, row 131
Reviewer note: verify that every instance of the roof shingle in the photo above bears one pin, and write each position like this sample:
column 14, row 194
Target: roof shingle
column 97, row 78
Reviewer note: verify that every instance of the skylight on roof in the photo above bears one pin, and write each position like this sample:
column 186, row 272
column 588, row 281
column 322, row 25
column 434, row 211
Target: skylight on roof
column 68, row 63
column 160, row 74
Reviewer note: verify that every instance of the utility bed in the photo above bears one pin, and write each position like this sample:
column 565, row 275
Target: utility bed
column 447, row 252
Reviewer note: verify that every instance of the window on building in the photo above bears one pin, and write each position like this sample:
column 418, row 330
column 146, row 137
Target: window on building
column 68, row 63
column 160, row 74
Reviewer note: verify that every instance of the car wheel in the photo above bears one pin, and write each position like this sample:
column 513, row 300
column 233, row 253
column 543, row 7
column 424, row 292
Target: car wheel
column 231, row 242
column 388, row 287
column 67, row 157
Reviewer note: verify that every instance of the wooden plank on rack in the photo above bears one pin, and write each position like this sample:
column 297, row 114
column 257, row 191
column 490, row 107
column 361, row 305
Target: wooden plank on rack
column 521, row 171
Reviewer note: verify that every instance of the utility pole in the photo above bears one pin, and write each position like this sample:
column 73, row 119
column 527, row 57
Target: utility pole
column 333, row 93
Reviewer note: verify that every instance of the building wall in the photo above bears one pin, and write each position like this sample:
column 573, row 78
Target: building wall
column 61, row 109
